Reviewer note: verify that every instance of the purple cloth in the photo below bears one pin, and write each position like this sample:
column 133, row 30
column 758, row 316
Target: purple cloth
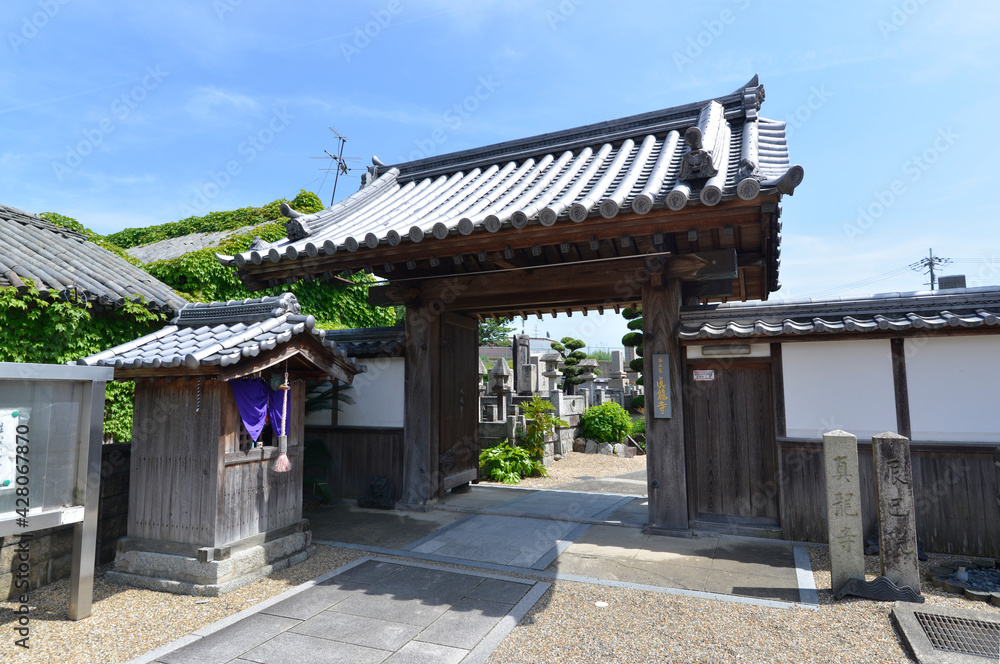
column 252, row 402
column 274, row 403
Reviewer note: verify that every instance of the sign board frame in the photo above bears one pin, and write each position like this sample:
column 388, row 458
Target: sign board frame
column 662, row 404
column 82, row 513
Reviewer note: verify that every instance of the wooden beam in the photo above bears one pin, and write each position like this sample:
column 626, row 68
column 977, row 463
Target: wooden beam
column 665, row 445
column 900, row 388
column 731, row 213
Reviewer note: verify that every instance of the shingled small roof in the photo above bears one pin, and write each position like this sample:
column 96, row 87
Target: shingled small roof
column 692, row 155
column 62, row 260
column 927, row 311
column 222, row 334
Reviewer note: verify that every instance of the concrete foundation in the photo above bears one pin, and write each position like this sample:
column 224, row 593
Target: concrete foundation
column 208, row 572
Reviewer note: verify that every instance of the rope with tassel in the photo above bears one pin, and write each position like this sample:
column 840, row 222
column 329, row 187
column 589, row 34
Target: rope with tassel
column 282, row 464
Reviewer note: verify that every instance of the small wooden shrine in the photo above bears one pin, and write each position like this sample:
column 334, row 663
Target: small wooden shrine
column 208, row 512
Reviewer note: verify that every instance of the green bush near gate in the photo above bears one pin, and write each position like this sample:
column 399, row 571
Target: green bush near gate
column 508, row 464
column 606, row 423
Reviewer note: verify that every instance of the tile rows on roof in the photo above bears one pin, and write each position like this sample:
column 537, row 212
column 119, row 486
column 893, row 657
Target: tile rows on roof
column 632, row 164
column 58, row 259
column 369, row 342
column 192, row 341
column 927, row 310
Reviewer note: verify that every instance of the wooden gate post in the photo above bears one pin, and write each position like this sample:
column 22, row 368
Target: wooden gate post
column 665, row 459
column 421, row 420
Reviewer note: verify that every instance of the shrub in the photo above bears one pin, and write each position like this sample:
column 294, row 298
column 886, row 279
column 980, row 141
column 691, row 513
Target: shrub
column 508, row 464
column 637, row 402
column 606, row 423
column 540, row 423
column 638, row 425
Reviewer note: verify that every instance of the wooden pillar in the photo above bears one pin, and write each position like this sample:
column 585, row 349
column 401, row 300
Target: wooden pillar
column 900, row 388
column 665, row 458
column 422, row 417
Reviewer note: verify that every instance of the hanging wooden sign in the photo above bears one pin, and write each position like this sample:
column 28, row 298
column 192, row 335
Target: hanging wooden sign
column 661, row 386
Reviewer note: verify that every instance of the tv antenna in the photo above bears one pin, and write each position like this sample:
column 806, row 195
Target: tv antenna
column 929, row 264
column 340, row 160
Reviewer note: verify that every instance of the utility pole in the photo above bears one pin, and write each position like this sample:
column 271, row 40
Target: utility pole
column 928, row 264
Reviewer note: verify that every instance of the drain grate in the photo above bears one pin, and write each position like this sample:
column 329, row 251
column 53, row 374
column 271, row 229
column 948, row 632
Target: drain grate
column 961, row 635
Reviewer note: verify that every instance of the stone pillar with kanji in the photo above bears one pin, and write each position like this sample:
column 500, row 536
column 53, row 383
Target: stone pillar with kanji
column 897, row 526
column 843, row 508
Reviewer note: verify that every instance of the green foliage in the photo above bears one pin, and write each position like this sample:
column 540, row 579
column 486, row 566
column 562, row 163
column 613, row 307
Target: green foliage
column 631, row 314
column 601, row 355
column 306, row 202
column 632, row 339
column 638, row 426
column 495, row 332
column 40, row 327
column 325, row 396
column 637, row 402
column 569, row 349
column 606, row 423
column 99, row 240
column 508, row 464
column 202, row 278
column 540, row 423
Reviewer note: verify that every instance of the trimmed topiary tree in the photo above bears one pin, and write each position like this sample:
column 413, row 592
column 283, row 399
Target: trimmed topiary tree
column 569, row 349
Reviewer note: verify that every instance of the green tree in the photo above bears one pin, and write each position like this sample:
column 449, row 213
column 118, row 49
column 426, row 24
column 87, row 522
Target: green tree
column 634, row 340
column 495, row 332
column 569, row 349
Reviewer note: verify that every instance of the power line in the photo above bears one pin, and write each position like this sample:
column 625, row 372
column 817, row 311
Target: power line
column 928, row 264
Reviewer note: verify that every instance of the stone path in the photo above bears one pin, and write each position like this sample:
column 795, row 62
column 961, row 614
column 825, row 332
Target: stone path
column 370, row 611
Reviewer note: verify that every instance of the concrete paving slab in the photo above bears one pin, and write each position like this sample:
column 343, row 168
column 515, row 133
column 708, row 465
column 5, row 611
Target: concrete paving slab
column 609, row 485
column 358, row 630
column 504, row 592
column 311, row 601
column 416, row 652
column 484, row 496
column 465, row 624
column 231, row 642
column 398, row 611
column 288, row 648
column 391, row 529
column 752, row 585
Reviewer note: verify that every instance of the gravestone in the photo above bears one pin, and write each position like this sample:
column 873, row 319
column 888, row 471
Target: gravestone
column 629, row 356
column 520, row 352
column 897, row 536
column 527, row 383
column 843, row 508
column 618, row 376
column 500, row 384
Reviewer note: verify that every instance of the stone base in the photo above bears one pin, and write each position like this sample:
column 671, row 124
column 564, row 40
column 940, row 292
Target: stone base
column 186, row 575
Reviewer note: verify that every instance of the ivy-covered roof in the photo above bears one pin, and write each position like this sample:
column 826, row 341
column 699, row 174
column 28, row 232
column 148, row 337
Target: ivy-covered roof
column 62, row 260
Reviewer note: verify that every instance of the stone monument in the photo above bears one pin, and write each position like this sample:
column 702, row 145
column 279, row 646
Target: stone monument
column 843, row 508
column 500, row 385
column 897, row 536
column 527, row 383
column 618, row 376
column 520, row 351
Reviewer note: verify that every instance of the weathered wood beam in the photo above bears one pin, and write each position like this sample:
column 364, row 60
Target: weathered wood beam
column 735, row 213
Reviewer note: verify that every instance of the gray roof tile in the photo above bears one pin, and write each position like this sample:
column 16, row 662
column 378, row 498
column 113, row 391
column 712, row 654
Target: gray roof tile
column 632, row 164
column 60, row 259
column 241, row 328
column 885, row 312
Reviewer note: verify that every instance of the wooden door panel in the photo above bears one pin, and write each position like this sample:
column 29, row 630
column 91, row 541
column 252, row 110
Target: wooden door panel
column 458, row 458
column 732, row 443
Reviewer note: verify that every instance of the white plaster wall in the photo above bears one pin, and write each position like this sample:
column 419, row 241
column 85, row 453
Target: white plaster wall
column 953, row 388
column 378, row 395
column 838, row 385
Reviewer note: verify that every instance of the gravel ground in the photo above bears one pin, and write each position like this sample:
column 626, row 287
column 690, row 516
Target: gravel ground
column 128, row 622
column 576, row 466
column 567, row 626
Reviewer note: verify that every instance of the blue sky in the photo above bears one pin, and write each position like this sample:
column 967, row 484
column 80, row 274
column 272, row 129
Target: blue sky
column 126, row 114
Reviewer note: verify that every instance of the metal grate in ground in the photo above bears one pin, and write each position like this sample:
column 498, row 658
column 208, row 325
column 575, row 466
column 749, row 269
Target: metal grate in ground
column 961, row 635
